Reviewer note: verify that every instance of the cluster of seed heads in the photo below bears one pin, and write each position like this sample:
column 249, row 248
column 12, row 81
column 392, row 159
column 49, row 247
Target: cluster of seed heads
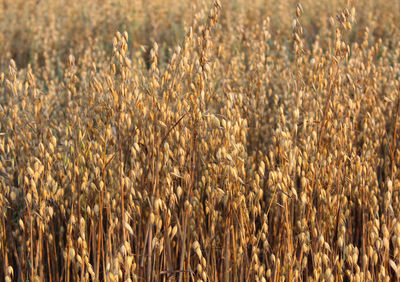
column 250, row 141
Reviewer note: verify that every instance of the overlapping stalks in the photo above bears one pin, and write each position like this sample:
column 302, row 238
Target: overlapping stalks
column 207, row 142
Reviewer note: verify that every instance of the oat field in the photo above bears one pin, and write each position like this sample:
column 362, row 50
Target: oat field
column 176, row 140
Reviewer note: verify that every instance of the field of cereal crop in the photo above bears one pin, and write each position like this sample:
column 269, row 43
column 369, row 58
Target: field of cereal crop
column 225, row 140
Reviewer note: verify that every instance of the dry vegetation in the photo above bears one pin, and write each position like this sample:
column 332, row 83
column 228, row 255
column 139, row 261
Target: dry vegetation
column 205, row 142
